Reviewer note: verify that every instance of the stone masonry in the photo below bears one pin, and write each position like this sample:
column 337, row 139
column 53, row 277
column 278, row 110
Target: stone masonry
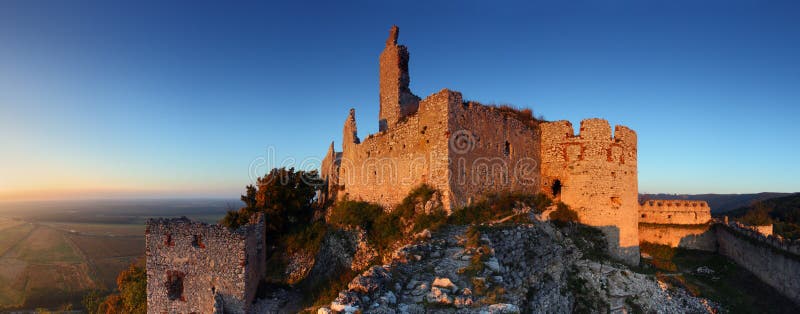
column 193, row 267
column 677, row 223
column 679, row 212
column 595, row 173
column 466, row 150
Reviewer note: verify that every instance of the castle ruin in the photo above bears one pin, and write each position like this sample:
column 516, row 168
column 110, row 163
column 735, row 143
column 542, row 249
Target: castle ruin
column 465, row 150
column 193, row 267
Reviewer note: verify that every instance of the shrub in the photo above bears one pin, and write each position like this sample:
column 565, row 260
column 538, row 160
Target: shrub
column 285, row 196
column 307, row 239
column 498, row 205
column 383, row 229
column 355, row 213
column 758, row 215
column 130, row 298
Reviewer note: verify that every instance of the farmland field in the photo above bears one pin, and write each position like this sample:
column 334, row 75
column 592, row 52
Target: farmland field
column 51, row 256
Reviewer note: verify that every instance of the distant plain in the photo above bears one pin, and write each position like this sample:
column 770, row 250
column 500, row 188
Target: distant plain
column 54, row 252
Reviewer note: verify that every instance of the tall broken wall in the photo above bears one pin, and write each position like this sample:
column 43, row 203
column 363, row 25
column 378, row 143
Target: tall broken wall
column 490, row 151
column 190, row 264
column 596, row 175
column 385, row 167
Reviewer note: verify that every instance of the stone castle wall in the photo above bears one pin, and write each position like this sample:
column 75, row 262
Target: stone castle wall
column 385, row 167
column 396, row 99
column 193, row 267
column 677, row 223
column 490, row 151
column 466, row 150
column 679, row 212
column 694, row 237
column 775, row 261
column 596, row 174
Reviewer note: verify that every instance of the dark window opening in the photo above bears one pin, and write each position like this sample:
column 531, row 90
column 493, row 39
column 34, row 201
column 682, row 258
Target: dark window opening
column 556, row 188
column 669, row 216
column 175, row 285
column 507, row 149
column 643, row 215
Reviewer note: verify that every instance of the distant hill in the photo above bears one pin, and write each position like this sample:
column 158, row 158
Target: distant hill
column 785, row 208
column 720, row 203
column 784, row 211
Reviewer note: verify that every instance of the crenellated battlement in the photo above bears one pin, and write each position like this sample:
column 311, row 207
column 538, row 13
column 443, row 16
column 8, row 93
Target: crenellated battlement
column 675, row 212
column 678, row 205
column 593, row 129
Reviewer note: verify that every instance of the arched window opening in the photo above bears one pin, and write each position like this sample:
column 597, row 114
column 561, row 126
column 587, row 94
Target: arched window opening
column 556, row 188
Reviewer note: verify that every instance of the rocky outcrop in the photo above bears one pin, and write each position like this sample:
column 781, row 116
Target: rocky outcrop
column 340, row 249
column 531, row 268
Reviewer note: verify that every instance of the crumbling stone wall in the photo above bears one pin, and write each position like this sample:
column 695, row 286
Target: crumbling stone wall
column 396, row 99
column 466, row 150
column 676, row 212
column 329, row 172
column 773, row 260
column 695, row 237
column 596, row 175
column 677, row 223
column 490, row 151
column 193, row 267
column 384, row 167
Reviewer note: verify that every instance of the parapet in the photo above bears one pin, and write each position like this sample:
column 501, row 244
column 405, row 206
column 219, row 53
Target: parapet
column 675, row 212
column 593, row 129
column 676, row 205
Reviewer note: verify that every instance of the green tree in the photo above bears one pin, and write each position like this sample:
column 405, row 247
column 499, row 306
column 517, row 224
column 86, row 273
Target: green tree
column 758, row 215
column 249, row 198
column 131, row 297
column 92, row 300
column 285, row 196
column 132, row 285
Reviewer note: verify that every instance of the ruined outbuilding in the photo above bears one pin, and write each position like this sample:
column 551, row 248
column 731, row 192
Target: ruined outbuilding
column 193, row 267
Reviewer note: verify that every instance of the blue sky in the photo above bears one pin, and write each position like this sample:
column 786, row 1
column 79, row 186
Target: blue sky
column 177, row 99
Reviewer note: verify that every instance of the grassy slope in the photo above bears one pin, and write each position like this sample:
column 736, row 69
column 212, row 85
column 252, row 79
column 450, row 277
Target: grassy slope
column 734, row 287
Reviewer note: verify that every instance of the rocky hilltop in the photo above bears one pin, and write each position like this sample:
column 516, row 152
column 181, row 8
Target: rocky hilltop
column 502, row 267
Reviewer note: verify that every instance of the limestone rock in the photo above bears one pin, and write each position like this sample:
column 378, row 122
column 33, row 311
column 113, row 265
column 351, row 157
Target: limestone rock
column 503, row 308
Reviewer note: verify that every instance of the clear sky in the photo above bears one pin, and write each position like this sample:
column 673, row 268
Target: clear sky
column 102, row 99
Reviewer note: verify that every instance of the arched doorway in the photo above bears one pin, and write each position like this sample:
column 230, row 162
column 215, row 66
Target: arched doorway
column 556, row 188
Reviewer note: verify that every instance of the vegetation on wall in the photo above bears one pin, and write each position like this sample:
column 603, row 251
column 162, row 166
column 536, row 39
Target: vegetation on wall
column 385, row 228
column 498, row 205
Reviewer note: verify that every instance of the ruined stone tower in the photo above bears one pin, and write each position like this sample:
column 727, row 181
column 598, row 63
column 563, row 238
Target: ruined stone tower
column 396, row 98
column 595, row 173
column 466, row 150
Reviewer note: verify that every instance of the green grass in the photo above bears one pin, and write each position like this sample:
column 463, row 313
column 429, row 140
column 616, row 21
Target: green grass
column 731, row 285
column 496, row 206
